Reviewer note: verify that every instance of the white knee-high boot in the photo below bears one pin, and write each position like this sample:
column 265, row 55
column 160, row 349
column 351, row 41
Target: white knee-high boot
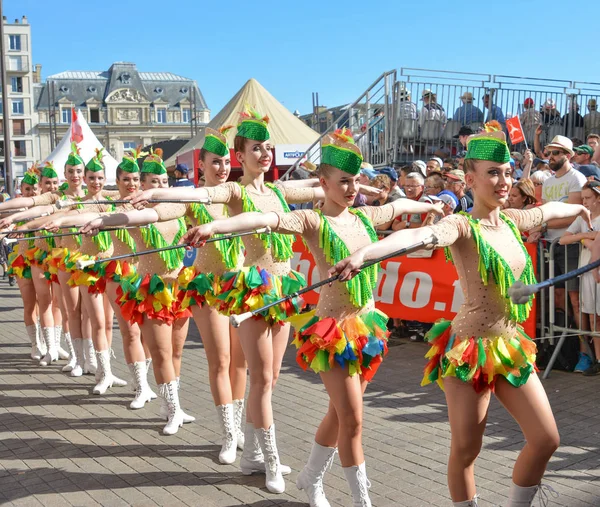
column 106, row 378
column 51, row 354
column 238, row 415
column 268, row 445
column 466, row 503
column 359, row 485
column 164, row 412
column 143, row 393
column 253, row 460
column 520, row 496
column 227, row 422
column 32, row 332
column 90, row 364
column 310, row 479
column 168, row 392
column 72, row 359
column 62, row 353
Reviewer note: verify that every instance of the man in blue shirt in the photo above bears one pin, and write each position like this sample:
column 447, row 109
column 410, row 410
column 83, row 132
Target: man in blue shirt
column 468, row 113
column 495, row 113
column 181, row 176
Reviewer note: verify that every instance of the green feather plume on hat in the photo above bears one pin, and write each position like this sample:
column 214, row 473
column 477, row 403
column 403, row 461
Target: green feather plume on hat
column 74, row 157
column 129, row 162
column 253, row 125
column 95, row 164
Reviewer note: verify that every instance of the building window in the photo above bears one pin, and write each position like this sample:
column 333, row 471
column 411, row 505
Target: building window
column 66, row 115
column 14, row 42
column 161, row 115
column 15, row 63
column 20, row 150
column 94, row 115
column 16, row 83
column 17, row 106
column 129, row 145
column 18, row 127
column 1, row 108
column 2, row 149
column 185, row 115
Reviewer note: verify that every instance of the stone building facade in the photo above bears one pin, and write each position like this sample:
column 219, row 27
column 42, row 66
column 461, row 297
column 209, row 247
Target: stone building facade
column 124, row 107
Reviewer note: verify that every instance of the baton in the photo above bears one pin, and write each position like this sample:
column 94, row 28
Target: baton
column 9, row 211
column 520, row 293
column 67, row 204
column 61, row 234
column 81, row 264
column 236, row 320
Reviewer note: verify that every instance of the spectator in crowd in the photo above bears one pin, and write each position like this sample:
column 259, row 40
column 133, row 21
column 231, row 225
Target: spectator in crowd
column 564, row 186
column 541, row 164
column 383, row 183
column 376, row 130
column 591, row 172
column 431, row 109
column 494, row 111
column 583, row 155
column 462, row 136
column 530, row 118
column 591, row 121
column 572, row 119
column 407, row 110
column 538, row 178
column 404, row 171
column 578, row 232
column 415, row 190
column 395, row 192
column 434, row 165
column 367, row 173
column 593, row 140
column 468, row 113
column 449, row 164
column 549, row 114
column 434, row 184
column 522, row 195
column 181, row 176
column 420, row 167
column 455, row 182
column 517, row 173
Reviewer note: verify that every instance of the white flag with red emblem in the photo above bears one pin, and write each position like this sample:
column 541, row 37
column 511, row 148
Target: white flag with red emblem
column 76, row 131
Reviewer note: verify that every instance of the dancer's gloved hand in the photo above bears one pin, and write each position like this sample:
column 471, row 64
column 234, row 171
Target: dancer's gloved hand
column 196, row 236
column 92, row 227
column 349, row 267
column 140, row 200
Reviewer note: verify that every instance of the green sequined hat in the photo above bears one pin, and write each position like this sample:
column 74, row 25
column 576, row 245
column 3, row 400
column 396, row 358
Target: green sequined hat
column 74, row 157
column 95, row 164
column 253, row 125
column 48, row 171
column 339, row 150
column 129, row 163
column 153, row 163
column 215, row 141
column 489, row 145
column 31, row 177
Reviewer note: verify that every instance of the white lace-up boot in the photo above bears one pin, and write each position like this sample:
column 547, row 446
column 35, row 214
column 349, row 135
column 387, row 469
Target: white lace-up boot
column 90, row 365
column 226, row 421
column 106, row 379
column 310, row 479
column 274, row 478
column 168, row 392
column 72, row 359
column 51, row 352
column 520, row 496
column 253, row 460
column 466, row 503
column 32, row 332
column 77, row 370
column 143, row 393
column 238, row 416
column 359, row 485
column 62, row 353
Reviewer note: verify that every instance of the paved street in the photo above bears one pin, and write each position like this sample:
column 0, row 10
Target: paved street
column 60, row 445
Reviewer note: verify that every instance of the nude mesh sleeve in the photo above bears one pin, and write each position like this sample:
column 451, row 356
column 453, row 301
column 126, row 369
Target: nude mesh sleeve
column 297, row 222
column 170, row 211
column 45, row 199
column 224, row 193
column 450, row 229
column 526, row 219
column 379, row 214
column 298, row 195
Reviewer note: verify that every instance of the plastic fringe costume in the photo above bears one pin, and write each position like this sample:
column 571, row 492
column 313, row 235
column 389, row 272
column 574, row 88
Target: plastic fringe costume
column 358, row 342
column 476, row 359
column 280, row 244
column 18, row 265
column 251, row 288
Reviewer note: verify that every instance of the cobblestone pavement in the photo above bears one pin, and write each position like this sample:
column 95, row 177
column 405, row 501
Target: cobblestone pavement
column 60, row 445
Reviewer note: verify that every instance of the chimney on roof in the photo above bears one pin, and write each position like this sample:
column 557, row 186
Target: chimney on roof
column 16, row 21
column 37, row 73
column 24, row 20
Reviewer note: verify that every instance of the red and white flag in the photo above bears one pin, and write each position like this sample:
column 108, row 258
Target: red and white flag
column 76, row 132
column 515, row 130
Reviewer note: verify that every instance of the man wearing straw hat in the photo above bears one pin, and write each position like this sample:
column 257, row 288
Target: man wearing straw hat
column 468, row 113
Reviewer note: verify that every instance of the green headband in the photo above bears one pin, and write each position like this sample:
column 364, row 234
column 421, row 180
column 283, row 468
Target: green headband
column 253, row 125
column 95, row 164
column 48, row 171
column 340, row 151
column 216, row 142
column 154, row 164
column 74, row 157
column 488, row 146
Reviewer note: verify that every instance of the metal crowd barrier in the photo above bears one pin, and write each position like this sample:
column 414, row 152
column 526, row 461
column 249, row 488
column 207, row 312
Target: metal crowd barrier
column 547, row 306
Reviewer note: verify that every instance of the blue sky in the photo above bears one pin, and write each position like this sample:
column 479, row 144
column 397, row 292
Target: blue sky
column 296, row 48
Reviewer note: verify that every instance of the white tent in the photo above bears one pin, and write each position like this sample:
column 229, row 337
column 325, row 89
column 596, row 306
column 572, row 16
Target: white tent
column 284, row 127
column 87, row 147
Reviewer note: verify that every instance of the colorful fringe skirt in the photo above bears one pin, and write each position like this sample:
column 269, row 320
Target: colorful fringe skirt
column 41, row 259
column 149, row 296
column 358, row 343
column 478, row 360
column 115, row 271
column 251, row 288
column 196, row 288
column 89, row 277
column 18, row 265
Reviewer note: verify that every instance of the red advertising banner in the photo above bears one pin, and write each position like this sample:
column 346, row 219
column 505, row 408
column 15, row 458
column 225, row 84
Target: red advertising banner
column 413, row 287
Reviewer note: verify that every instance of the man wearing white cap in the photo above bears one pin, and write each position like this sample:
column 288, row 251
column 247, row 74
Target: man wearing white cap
column 468, row 113
column 564, row 186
